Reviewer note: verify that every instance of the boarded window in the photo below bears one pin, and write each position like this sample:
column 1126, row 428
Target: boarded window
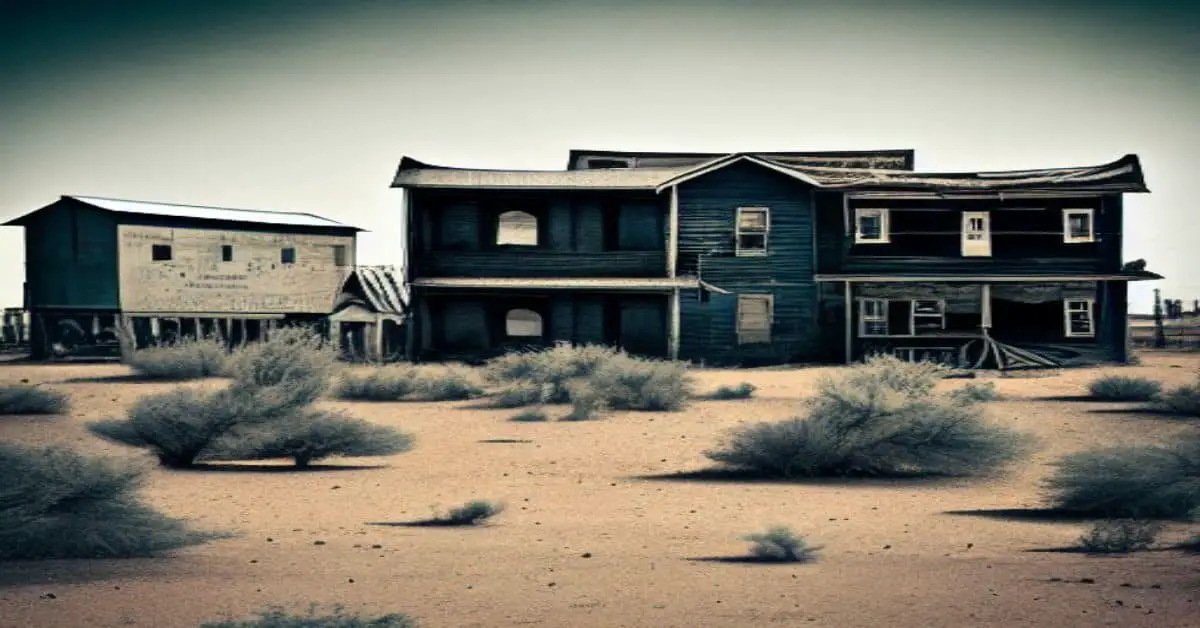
column 339, row 255
column 1079, row 318
column 517, row 228
column 160, row 252
column 872, row 317
column 753, row 224
column 521, row 323
column 287, row 255
column 870, row 225
column 226, row 252
column 1078, row 226
column 754, row 318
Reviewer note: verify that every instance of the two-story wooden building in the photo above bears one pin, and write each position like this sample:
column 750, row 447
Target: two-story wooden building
column 759, row 258
column 93, row 264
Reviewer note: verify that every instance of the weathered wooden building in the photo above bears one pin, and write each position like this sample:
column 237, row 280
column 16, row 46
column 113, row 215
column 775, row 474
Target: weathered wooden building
column 760, row 258
column 94, row 264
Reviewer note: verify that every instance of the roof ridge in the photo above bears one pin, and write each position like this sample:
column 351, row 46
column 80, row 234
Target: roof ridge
column 81, row 197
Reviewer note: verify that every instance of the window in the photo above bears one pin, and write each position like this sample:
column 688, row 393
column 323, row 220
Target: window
column 287, row 255
column 871, row 226
column 339, row 255
column 1078, row 226
column 872, row 317
column 160, row 252
column 516, row 228
column 755, row 313
column 928, row 315
column 226, row 252
column 522, row 323
column 753, row 223
column 593, row 163
column 1078, row 318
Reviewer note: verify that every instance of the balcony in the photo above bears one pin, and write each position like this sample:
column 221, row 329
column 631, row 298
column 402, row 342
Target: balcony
column 541, row 264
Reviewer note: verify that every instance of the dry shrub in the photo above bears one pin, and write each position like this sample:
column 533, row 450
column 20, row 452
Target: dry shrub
column 58, row 504
column 1182, row 400
column 880, row 418
column 1133, row 481
column 744, row 390
column 1124, row 388
column 553, row 368
column 1120, row 536
column 974, row 393
column 471, row 513
column 387, row 383
column 628, row 383
column 521, row 394
column 337, row 617
column 781, row 544
column 25, row 399
column 293, row 360
column 536, row 415
column 311, row 435
column 182, row 360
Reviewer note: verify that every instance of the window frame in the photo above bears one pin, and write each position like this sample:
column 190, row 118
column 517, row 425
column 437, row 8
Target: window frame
column 226, row 248
column 541, row 321
column 882, row 317
column 283, row 254
column 155, row 248
column 1091, row 221
column 884, row 215
column 738, row 232
column 755, row 336
column 914, row 314
column 537, row 229
column 1091, row 317
column 340, row 255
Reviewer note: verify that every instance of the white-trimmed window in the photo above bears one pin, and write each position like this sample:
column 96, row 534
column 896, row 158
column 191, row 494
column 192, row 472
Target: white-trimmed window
column 928, row 315
column 870, row 226
column 1079, row 225
column 872, row 317
column 755, row 314
column 753, row 225
column 522, row 323
column 1079, row 318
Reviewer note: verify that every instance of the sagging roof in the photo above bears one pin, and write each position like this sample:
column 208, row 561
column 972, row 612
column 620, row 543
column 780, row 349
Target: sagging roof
column 886, row 159
column 198, row 212
column 1122, row 175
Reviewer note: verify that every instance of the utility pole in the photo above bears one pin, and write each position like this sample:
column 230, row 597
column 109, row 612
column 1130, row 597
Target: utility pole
column 1160, row 337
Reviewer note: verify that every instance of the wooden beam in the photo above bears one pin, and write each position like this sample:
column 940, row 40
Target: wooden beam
column 849, row 325
column 673, row 333
column 986, row 306
column 673, row 234
column 378, row 338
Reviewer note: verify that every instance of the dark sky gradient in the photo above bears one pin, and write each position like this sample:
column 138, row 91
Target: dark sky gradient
column 309, row 105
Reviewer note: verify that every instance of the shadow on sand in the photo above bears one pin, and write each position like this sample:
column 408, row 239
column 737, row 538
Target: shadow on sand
column 505, row 441
column 719, row 476
column 747, row 560
column 83, row 570
column 1031, row 515
column 131, row 378
column 428, row 523
column 215, row 467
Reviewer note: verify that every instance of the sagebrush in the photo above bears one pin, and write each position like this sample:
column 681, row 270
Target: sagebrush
column 1120, row 536
column 744, row 390
column 311, row 435
column 336, row 617
column 1124, row 388
column 1182, row 400
column 26, row 399
column 182, row 360
column 59, row 504
column 1131, row 481
column 399, row 382
column 880, row 418
column 471, row 513
column 973, row 392
column 781, row 544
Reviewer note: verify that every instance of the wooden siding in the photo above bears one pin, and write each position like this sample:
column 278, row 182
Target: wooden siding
column 707, row 213
column 71, row 258
column 517, row 263
column 926, row 237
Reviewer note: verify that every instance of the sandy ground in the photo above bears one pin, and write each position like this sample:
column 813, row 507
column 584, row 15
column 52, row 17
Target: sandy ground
column 585, row 542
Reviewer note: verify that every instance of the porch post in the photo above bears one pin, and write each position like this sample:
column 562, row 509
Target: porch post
column 985, row 306
column 849, row 325
column 378, row 337
column 673, row 235
column 673, row 333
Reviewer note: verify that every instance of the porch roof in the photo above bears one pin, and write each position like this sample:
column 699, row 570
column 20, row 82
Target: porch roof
column 590, row 283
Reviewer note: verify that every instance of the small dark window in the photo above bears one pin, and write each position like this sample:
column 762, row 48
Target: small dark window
column 226, row 252
column 160, row 252
column 339, row 255
column 287, row 256
column 593, row 164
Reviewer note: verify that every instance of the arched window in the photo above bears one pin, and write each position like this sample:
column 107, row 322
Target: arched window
column 521, row 323
column 517, row 228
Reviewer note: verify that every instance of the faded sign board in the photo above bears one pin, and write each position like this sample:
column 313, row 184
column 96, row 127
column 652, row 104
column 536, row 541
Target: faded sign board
column 212, row 271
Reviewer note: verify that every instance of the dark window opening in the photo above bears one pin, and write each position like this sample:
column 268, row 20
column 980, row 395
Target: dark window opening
column 226, row 252
column 339, row 255
column 608, row 163
column 287, row 255
column 160, row 252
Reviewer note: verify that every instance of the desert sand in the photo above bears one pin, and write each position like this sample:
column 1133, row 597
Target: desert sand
column 588, row 540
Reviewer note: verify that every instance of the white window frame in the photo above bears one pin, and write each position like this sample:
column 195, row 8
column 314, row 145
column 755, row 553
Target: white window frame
column 884, row 227
column 755, row 336
column 765, row 232
column 1091, row 217
column 863, row 319
column 1091, row 312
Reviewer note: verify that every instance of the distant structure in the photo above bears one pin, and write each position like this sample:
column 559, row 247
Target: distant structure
column 15, row 331
column 164, row 271
column 772, row 257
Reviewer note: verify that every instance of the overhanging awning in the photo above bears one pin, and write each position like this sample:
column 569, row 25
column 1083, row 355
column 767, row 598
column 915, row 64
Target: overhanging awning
column 591, row 283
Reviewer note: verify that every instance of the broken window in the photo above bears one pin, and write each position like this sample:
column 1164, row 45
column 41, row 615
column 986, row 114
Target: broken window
column 755, row 314
column 287, row 255
column 753, row 224
column 226, row 252
column 1079, row 315
column 870, row 226
column 516, row 228
column 928, row 315
column 1078, row 226
column 160, row 252
column 872, row 317
column 522, row 323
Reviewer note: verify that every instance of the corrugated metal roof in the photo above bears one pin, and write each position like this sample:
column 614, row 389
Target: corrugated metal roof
column 203, row 212
column 383, row 289
column 1122, row 175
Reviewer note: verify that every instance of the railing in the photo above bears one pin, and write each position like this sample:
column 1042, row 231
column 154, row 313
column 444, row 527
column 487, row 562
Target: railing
column 541, row 264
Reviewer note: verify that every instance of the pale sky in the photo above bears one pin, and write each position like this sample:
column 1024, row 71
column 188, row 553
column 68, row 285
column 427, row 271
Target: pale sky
column 309, row 106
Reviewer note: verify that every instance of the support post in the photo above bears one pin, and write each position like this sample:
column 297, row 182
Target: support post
column 242, row 325
column 1160, row 336
column 673, row 234
column 673, row 333
column 378, row 338
column 986, row 306
column 849, row 325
